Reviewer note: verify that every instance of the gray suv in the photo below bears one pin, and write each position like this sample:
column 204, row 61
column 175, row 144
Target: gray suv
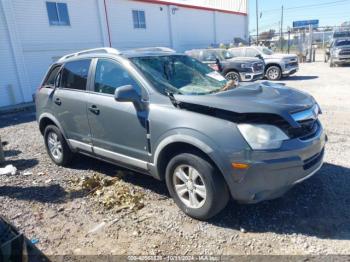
column 233, row 68
column 276, row 65
column 339, row 52
column 167, row 115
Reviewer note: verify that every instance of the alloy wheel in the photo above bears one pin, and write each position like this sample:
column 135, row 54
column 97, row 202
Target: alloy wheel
column 189, row 186
column 55, row 145
column 273, row 73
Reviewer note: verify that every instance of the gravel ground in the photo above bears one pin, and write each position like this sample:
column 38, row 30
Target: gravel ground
column 313, row 218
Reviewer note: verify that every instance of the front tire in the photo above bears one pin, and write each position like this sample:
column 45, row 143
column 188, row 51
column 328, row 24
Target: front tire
column 274, row 73
column 56, row 146
column 196, row 186
column 232, row 75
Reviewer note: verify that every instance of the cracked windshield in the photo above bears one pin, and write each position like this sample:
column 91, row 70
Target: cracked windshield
column 180, row 75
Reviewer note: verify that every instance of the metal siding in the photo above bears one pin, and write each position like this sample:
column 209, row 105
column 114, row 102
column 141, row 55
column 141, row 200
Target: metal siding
column 38, row 43
column 123, row 33
column 9, row 84
column 192, row 28
column 230, row 26
column 226, row 5
column 42, row 42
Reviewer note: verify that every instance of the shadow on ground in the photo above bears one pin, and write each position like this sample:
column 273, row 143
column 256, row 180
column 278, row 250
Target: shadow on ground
column 86, row 163
column 320, row 206
column 12, row 119
column 22, row 164
column 300, row 78
column 43, row 194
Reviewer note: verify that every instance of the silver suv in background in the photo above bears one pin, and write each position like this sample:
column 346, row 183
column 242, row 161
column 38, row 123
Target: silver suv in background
column 233, row 68
column 339, row 52
column 167, row 115
column 276, row 65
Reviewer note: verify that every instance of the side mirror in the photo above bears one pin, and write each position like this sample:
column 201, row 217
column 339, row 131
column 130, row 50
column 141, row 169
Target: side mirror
column 259, row 56
column 126, row 94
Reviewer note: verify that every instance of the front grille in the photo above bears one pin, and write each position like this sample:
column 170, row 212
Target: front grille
column 312, row 161
column 308, row 129
column 258, row 66
column 344, row 52
column 293, row 64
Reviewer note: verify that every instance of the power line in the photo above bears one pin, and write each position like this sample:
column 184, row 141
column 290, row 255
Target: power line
column 307, row 6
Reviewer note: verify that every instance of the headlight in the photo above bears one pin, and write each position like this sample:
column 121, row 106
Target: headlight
column 262, row 137
column 246, row 65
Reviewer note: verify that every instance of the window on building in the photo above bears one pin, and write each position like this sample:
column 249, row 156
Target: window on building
column 58, row 13
column 110, row 75
column 139, row 19
column 75, row 74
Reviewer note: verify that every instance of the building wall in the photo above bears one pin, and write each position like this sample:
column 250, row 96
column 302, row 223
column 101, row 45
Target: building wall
column 229, row 26
column 123, row 34
column 42, row 43
column 9, row 94
column 29, row 44
column 192, row 28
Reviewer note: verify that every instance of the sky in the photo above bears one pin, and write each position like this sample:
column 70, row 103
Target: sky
column 329, row 12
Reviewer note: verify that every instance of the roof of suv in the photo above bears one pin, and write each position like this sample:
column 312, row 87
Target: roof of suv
column 108, row 52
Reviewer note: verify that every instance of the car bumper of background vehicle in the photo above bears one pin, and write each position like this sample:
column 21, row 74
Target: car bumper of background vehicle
column 290, row 71
column 246, row 77
column 341, row 60
column 272, row 173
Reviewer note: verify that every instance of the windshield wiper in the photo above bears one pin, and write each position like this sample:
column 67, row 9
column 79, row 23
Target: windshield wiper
column 170, row 94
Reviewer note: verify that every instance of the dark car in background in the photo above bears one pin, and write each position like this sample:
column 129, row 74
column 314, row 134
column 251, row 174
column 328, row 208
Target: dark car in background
column 339, row 52
column 233, row 68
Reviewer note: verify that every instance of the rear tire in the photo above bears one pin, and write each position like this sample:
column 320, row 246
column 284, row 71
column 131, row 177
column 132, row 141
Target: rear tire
column 196, row 186
column 274, row 73
column 57, row 146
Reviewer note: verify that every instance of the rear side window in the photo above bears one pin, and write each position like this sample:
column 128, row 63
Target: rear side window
column 236, row 52
column 51, row 77
column 75, row 74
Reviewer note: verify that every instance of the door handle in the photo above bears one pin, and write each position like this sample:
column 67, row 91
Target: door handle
column 58, row 101
column 94, row 109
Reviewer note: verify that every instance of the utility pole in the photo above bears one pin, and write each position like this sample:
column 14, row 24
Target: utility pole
column 257, row 23
column 281, row 32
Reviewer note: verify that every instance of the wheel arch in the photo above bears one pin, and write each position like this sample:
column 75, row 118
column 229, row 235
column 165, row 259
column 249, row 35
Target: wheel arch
column 48, row 119
column 177, row 144
column 225, row 72
column 273, row 64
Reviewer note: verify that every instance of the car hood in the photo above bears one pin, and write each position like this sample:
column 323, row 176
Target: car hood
column 244, row 60
column 342, row 47
column 279, row 56
column 260, row 98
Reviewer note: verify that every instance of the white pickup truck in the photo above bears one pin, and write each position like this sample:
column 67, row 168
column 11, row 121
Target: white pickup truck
column 276, row 65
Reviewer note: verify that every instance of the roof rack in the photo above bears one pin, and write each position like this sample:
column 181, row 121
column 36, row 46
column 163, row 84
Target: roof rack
column 106, row 50
column 154, row 49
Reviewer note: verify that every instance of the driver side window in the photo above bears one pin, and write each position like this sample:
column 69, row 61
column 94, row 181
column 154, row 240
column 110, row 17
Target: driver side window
column 110, row 75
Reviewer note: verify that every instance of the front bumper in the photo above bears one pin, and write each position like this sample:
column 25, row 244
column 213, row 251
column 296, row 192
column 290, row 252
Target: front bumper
column 272, row 173
column 290, row 70
column 246, row 77
column 341, row 59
